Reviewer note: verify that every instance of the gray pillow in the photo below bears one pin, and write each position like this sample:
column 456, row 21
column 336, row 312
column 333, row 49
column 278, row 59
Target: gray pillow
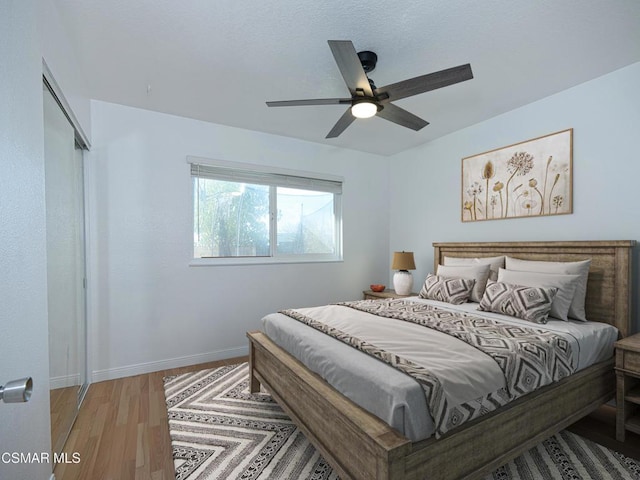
column 450, row 290
column 576, row 310
column 479, row 273
column 496, row 263
column 528, row 303
column 566, row 285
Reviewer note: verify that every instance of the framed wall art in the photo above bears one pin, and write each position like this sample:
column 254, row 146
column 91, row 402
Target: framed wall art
column 526, row 179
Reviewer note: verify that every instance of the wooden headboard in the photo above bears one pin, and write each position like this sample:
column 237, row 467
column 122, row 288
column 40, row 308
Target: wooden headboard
column 609, row 286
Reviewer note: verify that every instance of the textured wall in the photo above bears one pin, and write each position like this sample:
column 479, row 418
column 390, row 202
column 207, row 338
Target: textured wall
column 151, row 310
column 23, row 278
column 605, row 116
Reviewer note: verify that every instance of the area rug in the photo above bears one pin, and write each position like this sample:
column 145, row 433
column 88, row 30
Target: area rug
column 221, row 431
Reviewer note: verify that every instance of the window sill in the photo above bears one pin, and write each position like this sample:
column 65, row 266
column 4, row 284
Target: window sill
column 236, row 261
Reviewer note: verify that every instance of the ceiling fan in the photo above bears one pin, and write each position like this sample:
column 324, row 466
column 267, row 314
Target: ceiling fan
column 367, row 100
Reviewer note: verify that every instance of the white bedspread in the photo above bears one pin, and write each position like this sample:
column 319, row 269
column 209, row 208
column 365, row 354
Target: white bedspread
column 392, row 395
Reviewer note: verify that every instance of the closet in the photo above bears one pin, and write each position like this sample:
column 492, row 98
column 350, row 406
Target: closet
column 66, row 282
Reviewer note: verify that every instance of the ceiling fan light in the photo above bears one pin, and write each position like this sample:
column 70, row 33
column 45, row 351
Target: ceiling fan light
column 364, row 109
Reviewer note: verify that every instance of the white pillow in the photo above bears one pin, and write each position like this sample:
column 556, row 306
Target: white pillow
column 576, row 310
column 496, row 263
column 566, row 285
column 479, row 273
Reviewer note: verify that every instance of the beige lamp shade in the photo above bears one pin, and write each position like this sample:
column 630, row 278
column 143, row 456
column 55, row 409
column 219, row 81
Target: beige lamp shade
column 403, row 261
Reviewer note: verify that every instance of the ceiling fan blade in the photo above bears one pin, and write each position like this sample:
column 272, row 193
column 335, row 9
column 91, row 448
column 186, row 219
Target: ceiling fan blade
column 350, row 66
column 400, row 116
column 319, row 101
column 424, row 83
column 341, row 125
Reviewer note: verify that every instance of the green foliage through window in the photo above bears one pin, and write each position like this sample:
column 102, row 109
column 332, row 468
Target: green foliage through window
column 232, row 219
column 269, row 218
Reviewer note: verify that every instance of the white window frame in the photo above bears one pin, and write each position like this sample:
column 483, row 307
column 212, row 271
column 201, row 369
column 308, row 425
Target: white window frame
column 275, row 177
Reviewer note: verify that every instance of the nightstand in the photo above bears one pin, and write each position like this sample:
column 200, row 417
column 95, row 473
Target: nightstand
column 371, row 295
column 627, row 386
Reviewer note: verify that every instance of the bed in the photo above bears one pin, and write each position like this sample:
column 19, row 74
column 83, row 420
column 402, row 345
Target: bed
column 361, row 446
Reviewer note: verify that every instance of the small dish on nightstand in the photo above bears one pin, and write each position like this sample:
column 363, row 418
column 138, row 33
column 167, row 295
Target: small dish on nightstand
column 377, row 287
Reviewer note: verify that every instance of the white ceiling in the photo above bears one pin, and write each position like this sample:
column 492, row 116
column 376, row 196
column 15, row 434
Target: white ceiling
column 220, row 60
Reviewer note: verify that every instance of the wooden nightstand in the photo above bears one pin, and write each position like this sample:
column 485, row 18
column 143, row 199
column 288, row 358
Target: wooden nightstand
column 371, row 295
column 627, row 386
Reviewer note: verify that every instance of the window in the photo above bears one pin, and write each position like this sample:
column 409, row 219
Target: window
column 257, row 216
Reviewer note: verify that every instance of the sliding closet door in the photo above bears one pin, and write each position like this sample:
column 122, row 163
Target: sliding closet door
column 65, row 269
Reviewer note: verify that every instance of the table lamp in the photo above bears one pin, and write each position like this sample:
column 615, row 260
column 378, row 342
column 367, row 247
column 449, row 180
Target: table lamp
column 402, row 279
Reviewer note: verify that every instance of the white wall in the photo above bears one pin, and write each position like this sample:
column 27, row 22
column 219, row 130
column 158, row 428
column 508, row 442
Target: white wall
column 28, row 33
column 605, row 116
column 24, row 427
column 151, row 310
column 61, row 57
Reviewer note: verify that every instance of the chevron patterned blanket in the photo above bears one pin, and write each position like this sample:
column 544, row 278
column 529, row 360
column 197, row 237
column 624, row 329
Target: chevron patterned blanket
column 529, row 357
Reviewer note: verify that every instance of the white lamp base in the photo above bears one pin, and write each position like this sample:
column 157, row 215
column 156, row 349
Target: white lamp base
column 403, row 282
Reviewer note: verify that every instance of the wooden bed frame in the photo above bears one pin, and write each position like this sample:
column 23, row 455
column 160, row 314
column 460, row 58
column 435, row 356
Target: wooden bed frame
column 359, row 445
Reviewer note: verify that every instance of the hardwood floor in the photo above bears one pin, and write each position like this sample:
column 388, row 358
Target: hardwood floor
column 64, row 404
column 122, row 432
column 600, row 427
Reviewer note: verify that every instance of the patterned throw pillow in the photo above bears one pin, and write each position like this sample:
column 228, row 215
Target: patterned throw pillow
column 450, row 290
column 478, row 272
column 528, row 303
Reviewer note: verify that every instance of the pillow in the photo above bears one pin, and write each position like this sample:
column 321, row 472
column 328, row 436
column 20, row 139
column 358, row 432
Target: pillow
column 528, row 303
column 450, row 290
column 495, row 263
column 479, row 273
column 566, row 285
column 576, row 310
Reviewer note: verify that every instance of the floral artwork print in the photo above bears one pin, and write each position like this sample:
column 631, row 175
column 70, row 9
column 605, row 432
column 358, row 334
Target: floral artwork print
column 528, row 179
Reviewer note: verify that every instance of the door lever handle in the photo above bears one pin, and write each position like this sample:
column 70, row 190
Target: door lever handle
column 17, row 390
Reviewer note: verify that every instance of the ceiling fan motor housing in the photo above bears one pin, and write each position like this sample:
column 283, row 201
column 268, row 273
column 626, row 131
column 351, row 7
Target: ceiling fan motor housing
column 368, row 60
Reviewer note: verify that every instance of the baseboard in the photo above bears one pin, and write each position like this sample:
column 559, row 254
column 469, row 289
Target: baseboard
column 148, row 367
column 64, row 381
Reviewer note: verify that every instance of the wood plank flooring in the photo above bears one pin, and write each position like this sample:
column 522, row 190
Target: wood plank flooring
column 64, row 403
column 122, row 432
column 600, row 427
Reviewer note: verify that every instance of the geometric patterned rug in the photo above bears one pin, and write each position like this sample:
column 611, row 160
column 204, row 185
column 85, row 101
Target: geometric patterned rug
column 219, row 431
